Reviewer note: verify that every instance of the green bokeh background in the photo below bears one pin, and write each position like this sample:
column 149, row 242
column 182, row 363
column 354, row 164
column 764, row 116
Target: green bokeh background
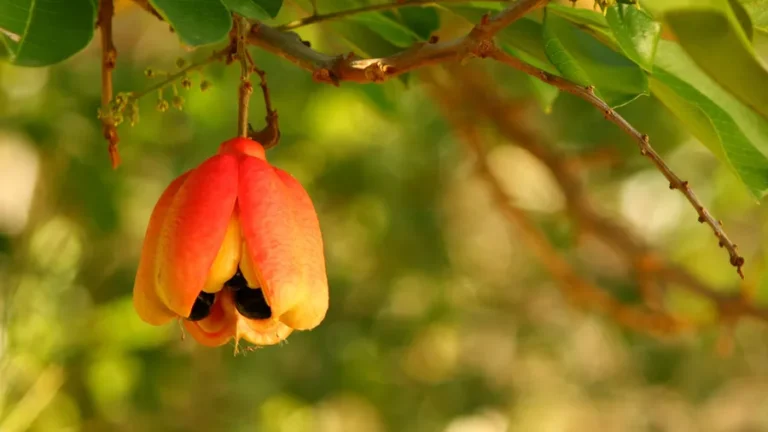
column 440, row 319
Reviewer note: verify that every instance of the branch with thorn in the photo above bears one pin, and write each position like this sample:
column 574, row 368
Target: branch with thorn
column 479, row 43
column 108, row 61
column 239, row 32
column 643, row 142
column 479, row 102
column 575, row 287
column 269, row 136
column 334, row 69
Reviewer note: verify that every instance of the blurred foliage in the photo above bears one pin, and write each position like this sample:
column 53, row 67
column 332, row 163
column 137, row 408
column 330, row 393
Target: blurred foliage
column 440, row 320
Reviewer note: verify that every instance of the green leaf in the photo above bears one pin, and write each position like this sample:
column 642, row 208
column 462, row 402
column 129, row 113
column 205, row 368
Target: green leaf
column 733, row 132
column 672, row 59
column 710, row 33
column 197, row 22
column 389, row 28
column 363, row 39
column 255, row 9
column 636, row 33
column 545, row 94
column 714, row 128
column 589, row 21
column 581, row 58
column 423, row 21
column 44, row 32
column 758, row 12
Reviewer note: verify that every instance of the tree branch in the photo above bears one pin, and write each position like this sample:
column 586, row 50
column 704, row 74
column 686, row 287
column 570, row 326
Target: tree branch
column 269, row 136
column 480, row 102
column 246, row 88
column 478, row 43
column 108, row 60
column 573, row 286
column 333, row 69
column 642, row 140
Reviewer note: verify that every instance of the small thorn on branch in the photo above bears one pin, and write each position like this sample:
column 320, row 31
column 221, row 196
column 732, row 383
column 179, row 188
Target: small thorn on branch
column 642, row 141
column 241, row 28
column 475, row 99
column 269, row 136
column 325, row 75
column 484, row 48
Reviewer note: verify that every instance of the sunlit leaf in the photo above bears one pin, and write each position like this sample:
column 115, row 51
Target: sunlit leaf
column 712, row 118
column 636, row 33
column 672, row 59
column 582, row 59
column 710, row 33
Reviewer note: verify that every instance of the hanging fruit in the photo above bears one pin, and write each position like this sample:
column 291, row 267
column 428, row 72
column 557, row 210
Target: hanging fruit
column 234, row 248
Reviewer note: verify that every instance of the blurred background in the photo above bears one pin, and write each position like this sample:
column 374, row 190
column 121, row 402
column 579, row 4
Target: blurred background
column 441, row 318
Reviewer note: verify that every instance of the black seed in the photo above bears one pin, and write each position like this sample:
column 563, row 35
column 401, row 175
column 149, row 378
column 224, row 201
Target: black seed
column 251, row 304
column 237, row 282
column 202, row 306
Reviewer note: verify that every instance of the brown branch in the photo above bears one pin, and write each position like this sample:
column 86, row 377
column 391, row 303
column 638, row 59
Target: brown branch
column 578, row 289
column 269, row 136
column 485, row 102
column 333, row 69
column 478, row 43
column 588, row 94
column 108, row 60
column 241, row 28
column 317, row 18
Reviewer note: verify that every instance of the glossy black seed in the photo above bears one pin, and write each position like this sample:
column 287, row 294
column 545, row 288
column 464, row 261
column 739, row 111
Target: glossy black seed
column 202, row 306
column 237, row 282
column 251, row 304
